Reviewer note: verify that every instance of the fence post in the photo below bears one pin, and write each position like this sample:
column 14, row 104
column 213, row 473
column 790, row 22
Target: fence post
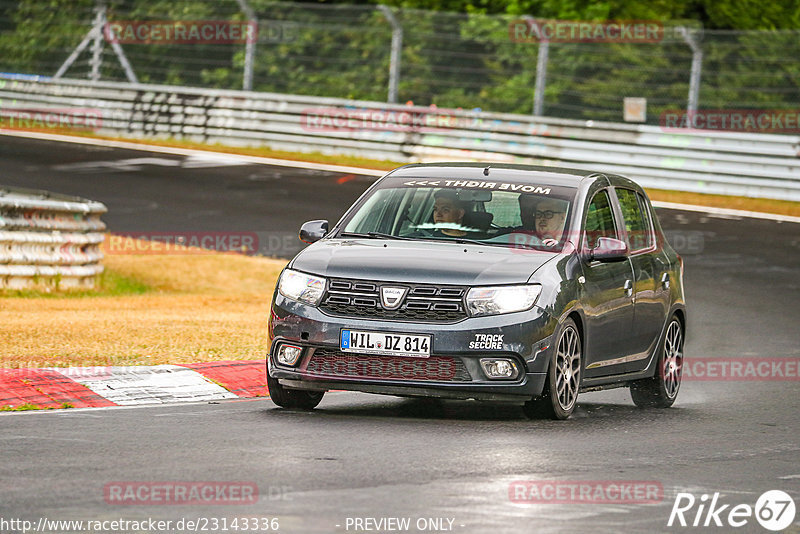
column 694, row 77
column 397, row 48
column 541, row 78
column 541, row 72
column 250, row 46
column 95, row 36
column 97, row 44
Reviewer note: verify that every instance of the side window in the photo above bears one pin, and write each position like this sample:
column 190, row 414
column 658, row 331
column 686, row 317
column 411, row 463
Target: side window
column 637, row 224
column 649, row 234
column 600, row 219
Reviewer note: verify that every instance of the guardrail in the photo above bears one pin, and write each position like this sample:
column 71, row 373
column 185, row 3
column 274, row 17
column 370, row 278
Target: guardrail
column 48, row 240
column 731, row 163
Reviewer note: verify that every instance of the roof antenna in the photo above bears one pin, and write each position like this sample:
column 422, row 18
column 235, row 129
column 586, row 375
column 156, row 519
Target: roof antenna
column 486, row 171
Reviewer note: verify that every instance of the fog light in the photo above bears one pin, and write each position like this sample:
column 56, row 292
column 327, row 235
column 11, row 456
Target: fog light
column 499, row 368
column 289, row 354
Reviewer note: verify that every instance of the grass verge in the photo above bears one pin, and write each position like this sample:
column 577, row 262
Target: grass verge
column 148, row 310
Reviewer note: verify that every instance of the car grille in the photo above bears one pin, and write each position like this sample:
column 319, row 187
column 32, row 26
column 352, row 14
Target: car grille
column 424, row 302
column 332, row 362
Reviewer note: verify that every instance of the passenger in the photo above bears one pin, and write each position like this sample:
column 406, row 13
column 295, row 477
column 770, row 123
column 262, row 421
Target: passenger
column 550, row 217
column 542, row 220
column 448, row 210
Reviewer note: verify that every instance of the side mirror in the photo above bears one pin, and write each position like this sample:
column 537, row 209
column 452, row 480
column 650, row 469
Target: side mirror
column 312, row 231
column 609, row 249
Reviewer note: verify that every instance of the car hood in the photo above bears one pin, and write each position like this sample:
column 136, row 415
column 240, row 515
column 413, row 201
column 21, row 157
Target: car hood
column 420, row 261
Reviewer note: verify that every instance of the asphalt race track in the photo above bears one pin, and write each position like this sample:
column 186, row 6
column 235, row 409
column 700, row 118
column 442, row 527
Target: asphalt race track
column 361, row 456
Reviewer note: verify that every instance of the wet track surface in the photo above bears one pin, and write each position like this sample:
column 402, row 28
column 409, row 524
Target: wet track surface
column 370, row 456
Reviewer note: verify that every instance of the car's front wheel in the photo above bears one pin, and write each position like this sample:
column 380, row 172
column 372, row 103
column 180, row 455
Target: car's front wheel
column 563, row 377
column 661, row 390
column 292, row 398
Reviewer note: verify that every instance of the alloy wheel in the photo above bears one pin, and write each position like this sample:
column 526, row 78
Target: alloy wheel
column 673, row 359
column 568, row 368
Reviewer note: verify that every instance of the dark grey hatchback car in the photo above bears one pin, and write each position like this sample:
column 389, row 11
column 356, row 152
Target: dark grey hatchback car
column 502, row 283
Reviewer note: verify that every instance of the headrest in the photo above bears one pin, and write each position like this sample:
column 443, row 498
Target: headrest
column 480, row 220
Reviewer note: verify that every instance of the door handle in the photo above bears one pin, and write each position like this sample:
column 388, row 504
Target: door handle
column 665, row 280
column 628, row 288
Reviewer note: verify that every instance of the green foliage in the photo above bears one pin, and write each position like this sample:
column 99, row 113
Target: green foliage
column 29, row 406
column 752, row 14
column 756, row 70
column 29, row 39
column 23, row 408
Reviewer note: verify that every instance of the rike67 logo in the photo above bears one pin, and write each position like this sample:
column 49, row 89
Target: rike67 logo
column 774, row 510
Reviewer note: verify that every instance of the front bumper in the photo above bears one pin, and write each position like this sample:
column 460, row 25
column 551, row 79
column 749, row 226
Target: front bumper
column 452, row 371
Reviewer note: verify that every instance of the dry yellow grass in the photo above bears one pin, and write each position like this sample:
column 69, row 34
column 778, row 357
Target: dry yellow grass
column 208, row 273
column 199, row 308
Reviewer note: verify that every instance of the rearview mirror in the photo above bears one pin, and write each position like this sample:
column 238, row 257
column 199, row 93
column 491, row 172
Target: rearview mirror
column 313, row 231
column 609, row 249
column 471, row 195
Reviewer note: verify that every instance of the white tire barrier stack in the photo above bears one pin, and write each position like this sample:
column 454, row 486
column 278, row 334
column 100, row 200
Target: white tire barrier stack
column 49, row 241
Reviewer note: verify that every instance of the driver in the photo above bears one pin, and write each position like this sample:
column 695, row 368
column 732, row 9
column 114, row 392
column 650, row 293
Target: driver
column 448, row 210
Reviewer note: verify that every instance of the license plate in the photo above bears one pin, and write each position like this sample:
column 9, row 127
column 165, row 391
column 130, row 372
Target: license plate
column 386, row 343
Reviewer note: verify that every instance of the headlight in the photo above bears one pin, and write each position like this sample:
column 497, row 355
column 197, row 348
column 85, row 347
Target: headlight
column 301, row 286
column 501, row 299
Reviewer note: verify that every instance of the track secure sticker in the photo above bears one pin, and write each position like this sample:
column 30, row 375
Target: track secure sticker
column 487, row 342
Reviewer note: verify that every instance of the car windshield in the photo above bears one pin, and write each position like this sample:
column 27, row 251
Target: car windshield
column 493, row 213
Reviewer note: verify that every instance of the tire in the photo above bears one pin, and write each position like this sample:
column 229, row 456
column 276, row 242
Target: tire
column 563, row 382
column 292, row 398
column 661, row 390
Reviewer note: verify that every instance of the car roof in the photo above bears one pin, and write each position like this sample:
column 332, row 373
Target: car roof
column 539, row 174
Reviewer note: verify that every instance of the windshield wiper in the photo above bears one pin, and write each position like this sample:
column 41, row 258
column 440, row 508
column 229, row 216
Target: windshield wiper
column 374, row 235
column 459, row 240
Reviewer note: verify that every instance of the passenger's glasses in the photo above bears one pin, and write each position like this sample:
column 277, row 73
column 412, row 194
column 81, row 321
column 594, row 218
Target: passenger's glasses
column 547, row 214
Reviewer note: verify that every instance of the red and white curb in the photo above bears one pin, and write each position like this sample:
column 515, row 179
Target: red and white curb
column 84, row 387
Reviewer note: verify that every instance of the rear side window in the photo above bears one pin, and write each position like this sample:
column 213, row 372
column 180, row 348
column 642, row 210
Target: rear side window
column 600, row 219
column 637, row 222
